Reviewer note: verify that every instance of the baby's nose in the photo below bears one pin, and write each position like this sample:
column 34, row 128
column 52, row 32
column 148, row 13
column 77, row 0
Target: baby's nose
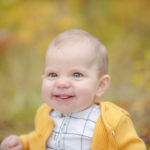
column 63, row 83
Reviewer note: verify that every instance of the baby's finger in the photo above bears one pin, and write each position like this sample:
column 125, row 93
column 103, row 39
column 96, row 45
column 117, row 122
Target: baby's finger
column 15, row 143
column 4, row 145
column 18, row 147
column 12, row 142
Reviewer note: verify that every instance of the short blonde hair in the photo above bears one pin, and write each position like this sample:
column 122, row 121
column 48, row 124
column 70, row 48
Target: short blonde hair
column 78, row 35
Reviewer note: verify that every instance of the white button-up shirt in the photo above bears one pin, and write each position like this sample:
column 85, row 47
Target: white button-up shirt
column 73, row 131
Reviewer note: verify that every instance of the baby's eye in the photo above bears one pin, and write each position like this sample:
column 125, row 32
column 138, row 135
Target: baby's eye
column 77, row 75
column 52, row 75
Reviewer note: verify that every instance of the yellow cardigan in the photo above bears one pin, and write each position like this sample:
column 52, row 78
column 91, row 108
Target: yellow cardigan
column 113, row 130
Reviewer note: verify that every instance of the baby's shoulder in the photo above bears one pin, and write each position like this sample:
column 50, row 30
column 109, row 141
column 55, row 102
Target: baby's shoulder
column 113, row 114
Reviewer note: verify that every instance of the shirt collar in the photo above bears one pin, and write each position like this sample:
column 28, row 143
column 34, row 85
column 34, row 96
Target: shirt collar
column 82, row 114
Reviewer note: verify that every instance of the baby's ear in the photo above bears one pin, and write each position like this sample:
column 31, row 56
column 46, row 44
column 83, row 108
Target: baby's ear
column 104, row 83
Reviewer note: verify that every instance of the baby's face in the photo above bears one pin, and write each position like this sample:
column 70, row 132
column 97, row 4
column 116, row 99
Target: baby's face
column 71, row 79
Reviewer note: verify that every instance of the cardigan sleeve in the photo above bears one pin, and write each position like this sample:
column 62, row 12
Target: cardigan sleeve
column 41, row 124
column 126, row 136
column 26, row 138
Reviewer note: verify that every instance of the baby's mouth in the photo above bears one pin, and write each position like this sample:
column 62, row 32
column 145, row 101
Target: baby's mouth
column 63, row 97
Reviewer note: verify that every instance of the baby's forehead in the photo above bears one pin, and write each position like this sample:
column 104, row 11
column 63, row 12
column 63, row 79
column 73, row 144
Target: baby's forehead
column 74, row 40
column 75, row 48
column 71, row 40
column 83, row 40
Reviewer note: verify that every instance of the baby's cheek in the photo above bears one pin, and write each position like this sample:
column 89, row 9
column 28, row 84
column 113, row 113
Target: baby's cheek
column 87, row 92
column 45, row 90
column 84, row 89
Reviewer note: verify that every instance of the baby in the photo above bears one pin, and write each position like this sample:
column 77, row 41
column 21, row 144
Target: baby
column 75, row 75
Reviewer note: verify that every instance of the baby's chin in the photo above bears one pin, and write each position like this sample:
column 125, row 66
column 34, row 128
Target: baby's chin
column 69, row 106
column 66, row 110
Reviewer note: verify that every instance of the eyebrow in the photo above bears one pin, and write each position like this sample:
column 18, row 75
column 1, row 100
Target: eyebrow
column 49, row 69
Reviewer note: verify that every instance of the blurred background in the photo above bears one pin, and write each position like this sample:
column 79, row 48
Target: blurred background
column 28, row 26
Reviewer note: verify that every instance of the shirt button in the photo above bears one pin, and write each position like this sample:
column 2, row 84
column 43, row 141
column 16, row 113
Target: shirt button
column 62, row 115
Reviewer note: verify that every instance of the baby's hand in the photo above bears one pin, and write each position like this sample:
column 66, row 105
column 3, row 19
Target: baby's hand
column 11, row 142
